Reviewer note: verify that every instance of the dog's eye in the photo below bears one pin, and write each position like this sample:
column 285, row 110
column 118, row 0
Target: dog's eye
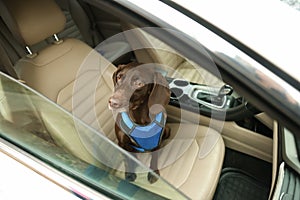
column 119, row 77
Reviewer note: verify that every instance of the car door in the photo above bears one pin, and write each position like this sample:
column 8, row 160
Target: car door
column 27, row 126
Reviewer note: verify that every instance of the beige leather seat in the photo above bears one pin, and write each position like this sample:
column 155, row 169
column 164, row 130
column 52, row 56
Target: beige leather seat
column 74, row 76
column 53, row 69
column 155, row 51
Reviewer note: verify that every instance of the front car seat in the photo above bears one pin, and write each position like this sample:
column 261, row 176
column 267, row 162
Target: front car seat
column 78, row 78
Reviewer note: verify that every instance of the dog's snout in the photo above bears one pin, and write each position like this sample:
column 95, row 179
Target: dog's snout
column 114, row 103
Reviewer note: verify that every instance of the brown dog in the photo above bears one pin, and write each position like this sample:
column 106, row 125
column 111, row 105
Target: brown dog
column 142, row 93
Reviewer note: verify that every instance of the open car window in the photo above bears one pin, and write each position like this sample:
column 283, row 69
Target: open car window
column 27, row 120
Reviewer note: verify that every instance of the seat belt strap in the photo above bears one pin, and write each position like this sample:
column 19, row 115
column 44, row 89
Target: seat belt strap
column 96, row 34
column 11, row 23
column 5, row 63
column 10, row 42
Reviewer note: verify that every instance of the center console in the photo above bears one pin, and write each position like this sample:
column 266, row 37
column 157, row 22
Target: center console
column 203, row 99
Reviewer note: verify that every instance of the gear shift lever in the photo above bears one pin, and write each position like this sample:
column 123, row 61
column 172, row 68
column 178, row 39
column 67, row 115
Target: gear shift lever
column 225, row 90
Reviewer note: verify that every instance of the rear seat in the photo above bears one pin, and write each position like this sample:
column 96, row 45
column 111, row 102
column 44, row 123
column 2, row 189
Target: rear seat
column 54, row 73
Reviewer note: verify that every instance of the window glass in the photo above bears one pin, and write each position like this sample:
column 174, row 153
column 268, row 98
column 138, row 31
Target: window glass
column 31, row 122
column 293, row 3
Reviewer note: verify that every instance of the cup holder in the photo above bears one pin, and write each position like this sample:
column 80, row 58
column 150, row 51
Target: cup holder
column 176, row 93
column 181, row 83
column 202, row 94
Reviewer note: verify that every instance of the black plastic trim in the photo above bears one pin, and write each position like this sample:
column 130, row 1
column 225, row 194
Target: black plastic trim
column 291, row 185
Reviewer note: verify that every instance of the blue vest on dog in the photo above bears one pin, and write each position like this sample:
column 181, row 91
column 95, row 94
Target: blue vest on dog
column 146, row 137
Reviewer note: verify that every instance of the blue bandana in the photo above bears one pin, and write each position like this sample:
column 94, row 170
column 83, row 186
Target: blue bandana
column 146, row 137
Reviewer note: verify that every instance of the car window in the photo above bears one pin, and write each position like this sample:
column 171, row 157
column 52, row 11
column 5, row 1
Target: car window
column 28, row 121
column 293, row 3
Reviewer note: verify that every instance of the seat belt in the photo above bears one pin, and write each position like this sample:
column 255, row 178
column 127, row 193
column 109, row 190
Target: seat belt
column 96, row 34
column 5, row 63
column 9, row 40
column 11, row 23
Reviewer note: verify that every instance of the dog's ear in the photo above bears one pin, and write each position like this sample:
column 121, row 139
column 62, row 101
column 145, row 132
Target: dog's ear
column 160, row 95
column 114, row 76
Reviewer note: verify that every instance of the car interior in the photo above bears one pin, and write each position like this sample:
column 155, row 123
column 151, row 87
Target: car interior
column 66, row 59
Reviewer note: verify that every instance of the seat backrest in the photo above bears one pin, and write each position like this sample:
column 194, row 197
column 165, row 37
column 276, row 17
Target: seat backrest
column 156, row 51
column 62, row 72
column 36, row 21
column 78, row 26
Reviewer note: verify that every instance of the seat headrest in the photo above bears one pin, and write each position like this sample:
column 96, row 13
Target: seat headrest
column 36, row 20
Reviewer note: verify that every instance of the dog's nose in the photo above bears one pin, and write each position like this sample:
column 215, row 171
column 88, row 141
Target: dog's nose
column 114, row 103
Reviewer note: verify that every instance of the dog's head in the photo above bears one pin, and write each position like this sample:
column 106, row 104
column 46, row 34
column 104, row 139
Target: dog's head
column 138, row 85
